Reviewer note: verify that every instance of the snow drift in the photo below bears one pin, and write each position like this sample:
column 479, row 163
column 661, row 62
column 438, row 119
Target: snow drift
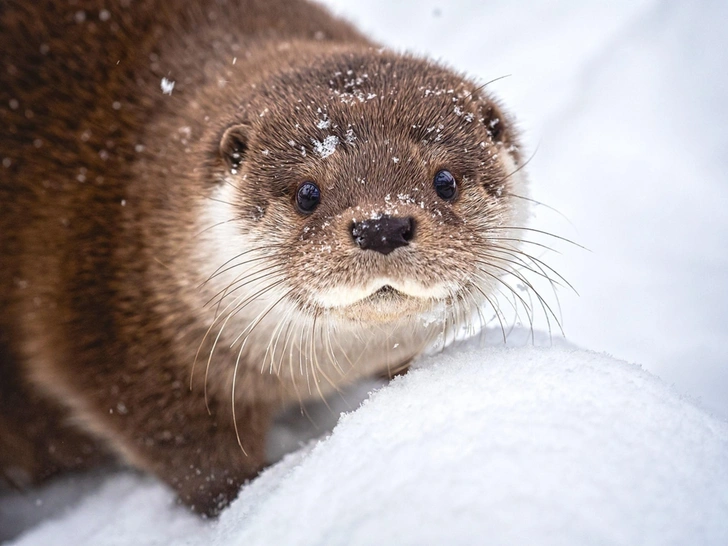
column 475, row 445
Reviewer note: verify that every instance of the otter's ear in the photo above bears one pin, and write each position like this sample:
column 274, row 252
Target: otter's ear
column 234, row 145
column 495, row 121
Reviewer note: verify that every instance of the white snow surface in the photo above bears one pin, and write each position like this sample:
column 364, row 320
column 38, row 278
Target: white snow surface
column 474, row 446
column 625, row 105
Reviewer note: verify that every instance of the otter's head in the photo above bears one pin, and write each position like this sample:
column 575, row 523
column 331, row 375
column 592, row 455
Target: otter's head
column 373, row 188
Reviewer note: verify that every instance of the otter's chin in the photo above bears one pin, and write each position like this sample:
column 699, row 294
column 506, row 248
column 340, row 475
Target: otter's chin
column 385, row 305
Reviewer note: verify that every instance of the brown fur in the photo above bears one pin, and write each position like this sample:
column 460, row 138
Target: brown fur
column 106, row 246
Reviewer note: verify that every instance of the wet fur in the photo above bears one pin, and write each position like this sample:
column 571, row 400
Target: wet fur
column 160, row 297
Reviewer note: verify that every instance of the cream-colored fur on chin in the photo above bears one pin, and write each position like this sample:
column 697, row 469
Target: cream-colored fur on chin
column 343, row 296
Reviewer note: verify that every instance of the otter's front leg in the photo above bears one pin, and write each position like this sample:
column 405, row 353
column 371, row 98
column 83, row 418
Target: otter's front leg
column 205, row 464
column 172, row 435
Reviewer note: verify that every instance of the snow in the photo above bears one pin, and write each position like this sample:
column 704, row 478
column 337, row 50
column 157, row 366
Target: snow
column 517, row 445
column 624, row 104
column 167, row 86
column 326, row 147
column 520, row 446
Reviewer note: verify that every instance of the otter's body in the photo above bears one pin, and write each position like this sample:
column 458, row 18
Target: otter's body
column 163, row 288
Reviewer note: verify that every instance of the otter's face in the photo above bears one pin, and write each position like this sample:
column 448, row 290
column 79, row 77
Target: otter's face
column 387, row 188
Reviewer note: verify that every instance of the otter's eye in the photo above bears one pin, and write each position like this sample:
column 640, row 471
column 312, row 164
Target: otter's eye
column 445, row 185
column 308, row 197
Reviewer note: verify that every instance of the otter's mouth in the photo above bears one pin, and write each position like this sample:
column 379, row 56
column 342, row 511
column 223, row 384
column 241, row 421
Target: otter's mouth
column 381, row 300
column 386, row 292
column 383, row 305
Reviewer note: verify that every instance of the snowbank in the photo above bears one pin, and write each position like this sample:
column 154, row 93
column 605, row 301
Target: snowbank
column 490, row 445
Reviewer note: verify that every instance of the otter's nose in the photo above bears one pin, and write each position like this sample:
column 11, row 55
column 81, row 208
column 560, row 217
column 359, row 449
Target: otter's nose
column 384, row 234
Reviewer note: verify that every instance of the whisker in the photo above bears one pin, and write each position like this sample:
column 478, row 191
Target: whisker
column 516, row 261
column 207, row 333
column 534, row 230
column 237, row 365
column 295, row 383
column 213, row 226
column 276, row 334
column 537, row 262
column 329, row 348
column 245, row 262
column 541, row 272
column 523, row 241
column 552, row 283
column 231, row 314
column 540, row 204
column 271, row 271
column 527, row 307
column 486, row 84
column 216, row 200
column 262, row 247
column 495, row 310
column 300, row 362
column 315, row 362
column 519, row 168
column 252, row 298
column 543, row 302
column 346, row 356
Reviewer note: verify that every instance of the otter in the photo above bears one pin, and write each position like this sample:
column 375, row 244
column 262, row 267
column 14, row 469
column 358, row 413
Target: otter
column 212, row 210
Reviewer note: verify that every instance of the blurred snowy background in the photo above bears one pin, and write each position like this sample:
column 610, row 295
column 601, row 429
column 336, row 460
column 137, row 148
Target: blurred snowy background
column 625, row 104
